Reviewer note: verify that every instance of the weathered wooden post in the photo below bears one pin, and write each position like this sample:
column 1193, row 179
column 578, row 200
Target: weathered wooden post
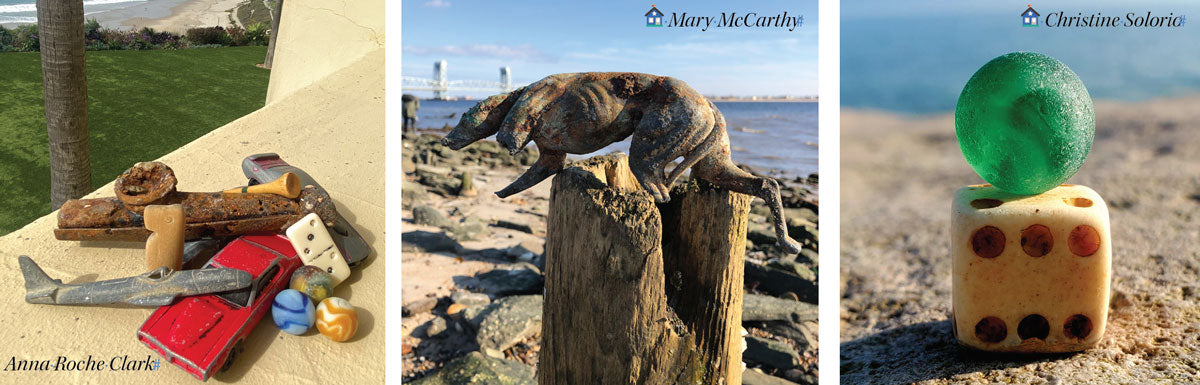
column 637, row 293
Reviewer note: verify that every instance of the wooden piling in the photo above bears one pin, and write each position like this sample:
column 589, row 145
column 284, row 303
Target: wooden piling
column 638, row 293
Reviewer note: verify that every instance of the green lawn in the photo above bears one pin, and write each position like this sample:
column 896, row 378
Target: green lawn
column 141, row 105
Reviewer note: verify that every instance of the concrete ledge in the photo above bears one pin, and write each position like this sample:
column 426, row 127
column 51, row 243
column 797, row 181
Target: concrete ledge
column 334, row 130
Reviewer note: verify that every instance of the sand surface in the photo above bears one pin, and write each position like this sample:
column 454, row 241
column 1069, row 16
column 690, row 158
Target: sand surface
column 898, row 176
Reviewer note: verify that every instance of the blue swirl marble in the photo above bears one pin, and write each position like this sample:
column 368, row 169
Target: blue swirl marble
column 293, row 312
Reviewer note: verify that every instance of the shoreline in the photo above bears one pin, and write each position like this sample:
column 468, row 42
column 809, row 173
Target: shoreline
column 772, row 100
column 175, row 16
column 187, row 14
column 880, row 112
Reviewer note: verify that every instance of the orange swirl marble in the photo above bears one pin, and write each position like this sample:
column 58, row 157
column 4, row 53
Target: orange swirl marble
column 337, row 319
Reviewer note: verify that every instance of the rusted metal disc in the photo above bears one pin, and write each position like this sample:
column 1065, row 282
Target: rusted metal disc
column 145, row 183
column 314, row 200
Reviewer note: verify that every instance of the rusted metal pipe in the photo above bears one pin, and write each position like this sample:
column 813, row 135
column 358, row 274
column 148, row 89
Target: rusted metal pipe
column 215, row 214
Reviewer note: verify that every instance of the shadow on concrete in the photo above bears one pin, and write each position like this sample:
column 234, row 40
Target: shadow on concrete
column 921, row 352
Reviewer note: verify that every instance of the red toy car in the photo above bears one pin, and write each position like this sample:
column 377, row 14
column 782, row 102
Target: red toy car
column 199, row 333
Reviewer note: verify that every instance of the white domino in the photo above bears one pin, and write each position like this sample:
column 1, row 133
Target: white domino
column 315, row 247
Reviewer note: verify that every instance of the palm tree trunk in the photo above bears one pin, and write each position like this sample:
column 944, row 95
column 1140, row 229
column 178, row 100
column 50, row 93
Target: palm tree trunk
column 60, row 30
column 275, row 16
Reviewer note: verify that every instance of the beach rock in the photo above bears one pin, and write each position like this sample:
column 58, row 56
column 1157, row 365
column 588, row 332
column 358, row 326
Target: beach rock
column 475, row 368
column 804, row 214
column 793, row 267
column 804, row 232
column 758, row 307
column 470, row 299
column 527, row 265
column 408, row 165
column 448, row 156
column 509, row 320
column 424, row 241
column 474, row 315
column 411, row 193
column 466, row 185
column 425, row 215
column 798, row 376
column 419, row 306
column 439, row 180
column 762, row 236
column 514, row 226
column 803, row 335
column 470, row 229
column 435, row 327
column 519, row 253
column 778, row 282
column 493, row 254
column 755, row 377
column 808, row 256
column 502, row 282
column 770, row 353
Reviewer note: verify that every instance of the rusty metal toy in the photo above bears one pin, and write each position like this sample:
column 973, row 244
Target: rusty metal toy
column 215, row 214
column 264, row 167
column 580, row 113
column 156, row 288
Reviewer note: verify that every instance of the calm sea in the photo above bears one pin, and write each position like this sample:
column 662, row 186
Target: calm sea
column 24, row 11
column 918, row 63
column 779, row 136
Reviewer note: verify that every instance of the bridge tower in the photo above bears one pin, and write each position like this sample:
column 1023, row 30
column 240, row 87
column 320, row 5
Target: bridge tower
column 506, row 78
column 439, row 78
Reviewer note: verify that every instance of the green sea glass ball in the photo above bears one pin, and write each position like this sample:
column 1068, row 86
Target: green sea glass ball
column 1025, row 122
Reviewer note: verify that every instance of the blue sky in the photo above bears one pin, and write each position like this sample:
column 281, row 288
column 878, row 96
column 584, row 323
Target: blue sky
column 540, row 38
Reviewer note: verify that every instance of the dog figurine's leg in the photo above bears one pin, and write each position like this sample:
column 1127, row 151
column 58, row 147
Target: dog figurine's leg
column 548, row 163
column 663, row 134
column 718, row 169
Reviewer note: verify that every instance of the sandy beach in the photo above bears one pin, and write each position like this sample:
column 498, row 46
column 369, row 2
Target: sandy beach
column 183, row 15
column 163, row 15
column 898, row 176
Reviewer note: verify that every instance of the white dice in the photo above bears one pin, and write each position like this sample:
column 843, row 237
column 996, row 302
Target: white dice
column 1031, row 273
column 312, row 242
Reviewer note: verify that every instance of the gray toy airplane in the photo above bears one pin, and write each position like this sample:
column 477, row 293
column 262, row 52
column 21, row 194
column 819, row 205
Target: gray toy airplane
column 156, row 288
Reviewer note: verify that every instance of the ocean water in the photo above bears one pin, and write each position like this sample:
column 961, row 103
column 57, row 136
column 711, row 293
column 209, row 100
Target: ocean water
column 776, row 137
column 25, row 11
column 918, row 63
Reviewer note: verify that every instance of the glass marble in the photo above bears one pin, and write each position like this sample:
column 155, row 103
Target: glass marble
column 313, row 282
column 1025, row 122
column 293, row 312
column 337, row 319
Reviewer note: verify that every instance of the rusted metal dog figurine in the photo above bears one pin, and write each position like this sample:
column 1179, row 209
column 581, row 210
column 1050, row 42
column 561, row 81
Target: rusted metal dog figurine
column 581, row 113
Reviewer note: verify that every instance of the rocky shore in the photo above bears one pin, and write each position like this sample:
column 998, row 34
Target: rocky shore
column 472, row 263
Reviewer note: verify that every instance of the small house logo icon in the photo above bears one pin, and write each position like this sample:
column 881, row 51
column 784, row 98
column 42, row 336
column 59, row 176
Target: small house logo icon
column 654, row 17
column 1029, row 18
